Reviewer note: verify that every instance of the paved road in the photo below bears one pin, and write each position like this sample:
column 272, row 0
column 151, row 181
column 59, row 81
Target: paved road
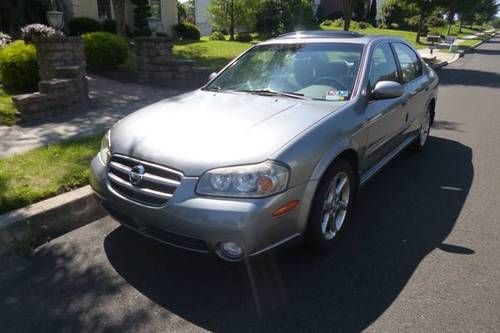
column 422, row 254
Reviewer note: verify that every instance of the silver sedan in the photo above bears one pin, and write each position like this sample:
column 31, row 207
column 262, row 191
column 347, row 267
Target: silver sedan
column 273, row 148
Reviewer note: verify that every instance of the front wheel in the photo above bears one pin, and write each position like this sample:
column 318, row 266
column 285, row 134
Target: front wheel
column 423, row 135
column 331, row 209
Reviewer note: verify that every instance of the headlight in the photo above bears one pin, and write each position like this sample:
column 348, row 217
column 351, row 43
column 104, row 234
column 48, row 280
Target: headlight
column 258, row 180
column 105, row 151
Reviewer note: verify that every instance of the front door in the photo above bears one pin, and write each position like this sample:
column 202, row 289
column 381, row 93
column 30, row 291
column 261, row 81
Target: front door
column 385, row 117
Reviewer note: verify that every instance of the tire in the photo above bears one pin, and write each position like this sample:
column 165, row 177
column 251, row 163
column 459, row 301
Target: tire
column 423, row 134
column 321, row 234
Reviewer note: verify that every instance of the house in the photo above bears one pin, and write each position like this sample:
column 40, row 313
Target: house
column 201, row 17
column 103, row 9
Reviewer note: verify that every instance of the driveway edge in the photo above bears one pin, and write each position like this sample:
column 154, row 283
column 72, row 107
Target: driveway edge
column 33, row 225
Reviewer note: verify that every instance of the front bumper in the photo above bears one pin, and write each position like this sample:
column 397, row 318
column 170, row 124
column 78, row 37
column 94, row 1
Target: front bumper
column 201, row 223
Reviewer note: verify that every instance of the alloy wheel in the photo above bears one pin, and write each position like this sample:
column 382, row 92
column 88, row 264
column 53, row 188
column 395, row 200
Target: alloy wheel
column 335, row 205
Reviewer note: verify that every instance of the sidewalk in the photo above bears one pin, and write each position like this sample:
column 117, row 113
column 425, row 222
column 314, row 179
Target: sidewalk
column 109, row 102
column 438, row 55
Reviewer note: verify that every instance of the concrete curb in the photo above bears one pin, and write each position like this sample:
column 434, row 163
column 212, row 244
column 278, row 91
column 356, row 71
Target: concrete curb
column 460, row 54
column 471, row 48
column 36, row 224
column 444, row 63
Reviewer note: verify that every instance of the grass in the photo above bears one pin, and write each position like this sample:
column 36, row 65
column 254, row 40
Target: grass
column 410, row 36
column 7, row 109
column 44, row 172
column 209, row 53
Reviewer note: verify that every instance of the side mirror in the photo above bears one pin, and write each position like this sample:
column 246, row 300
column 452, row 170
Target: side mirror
column 386, row 90
column 212, row 76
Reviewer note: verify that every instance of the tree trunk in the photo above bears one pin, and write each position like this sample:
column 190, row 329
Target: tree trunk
column 119, row 9
column 420, row 26
column 347, row 13
column 461, row 23
column 231, row 23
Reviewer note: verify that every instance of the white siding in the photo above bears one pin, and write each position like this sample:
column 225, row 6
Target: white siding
column 202, row 18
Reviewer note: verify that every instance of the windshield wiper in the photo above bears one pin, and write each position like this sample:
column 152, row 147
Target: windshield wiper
column 269, row 92
column 213, row 88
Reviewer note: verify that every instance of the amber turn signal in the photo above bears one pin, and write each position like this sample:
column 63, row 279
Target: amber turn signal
column 286, row 208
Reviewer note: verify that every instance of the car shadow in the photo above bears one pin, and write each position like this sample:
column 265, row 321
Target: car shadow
column 403, row 214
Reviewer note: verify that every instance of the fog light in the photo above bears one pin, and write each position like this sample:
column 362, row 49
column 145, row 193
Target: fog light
column 230, row 251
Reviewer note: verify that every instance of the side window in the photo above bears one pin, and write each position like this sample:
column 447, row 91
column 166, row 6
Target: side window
column 411, row 68
column 383, row 66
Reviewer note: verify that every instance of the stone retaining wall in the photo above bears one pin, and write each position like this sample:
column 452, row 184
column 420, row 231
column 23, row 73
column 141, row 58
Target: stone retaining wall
column 155, row 63
column 63, row 84
column 58, row 51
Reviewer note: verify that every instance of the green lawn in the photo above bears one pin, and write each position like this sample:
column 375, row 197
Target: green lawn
column 410, row 36
column 7, row 109
column 44, row 172
column 208, row 53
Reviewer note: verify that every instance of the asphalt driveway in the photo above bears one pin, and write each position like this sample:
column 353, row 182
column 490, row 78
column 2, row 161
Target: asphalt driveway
column 422, row 254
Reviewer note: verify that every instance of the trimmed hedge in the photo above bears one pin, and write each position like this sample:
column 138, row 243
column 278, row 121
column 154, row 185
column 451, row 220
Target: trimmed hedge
column 18, row 66
column 217, row 35
column 104, row 49
column 243, row 37
column 82, row 25
column 187, row 31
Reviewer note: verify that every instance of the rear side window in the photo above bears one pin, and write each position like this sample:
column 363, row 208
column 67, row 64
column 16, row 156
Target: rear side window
column 411, row 68
column 383, row 66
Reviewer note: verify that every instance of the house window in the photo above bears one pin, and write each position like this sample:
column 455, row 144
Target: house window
column 155, row 8
column 104, row 9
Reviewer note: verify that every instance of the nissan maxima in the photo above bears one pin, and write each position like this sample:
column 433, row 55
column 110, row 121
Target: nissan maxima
column 273, row 148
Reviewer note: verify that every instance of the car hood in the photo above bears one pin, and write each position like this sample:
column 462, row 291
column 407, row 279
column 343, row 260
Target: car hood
column 203, row 130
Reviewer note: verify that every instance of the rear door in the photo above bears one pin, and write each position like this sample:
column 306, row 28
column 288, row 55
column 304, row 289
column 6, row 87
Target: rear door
column 385, row 118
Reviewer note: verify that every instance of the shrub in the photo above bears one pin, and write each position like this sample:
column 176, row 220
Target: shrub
column 38, row 30
column 327, row 23
column 364, row 25
column 82, row 25
column 217, row 35
column 243, row 37
column 109, row 26
column 338, row 23
column 18, row 67
column 186, row 31
column 104, row 49
column 141, row 13
column 4, row 39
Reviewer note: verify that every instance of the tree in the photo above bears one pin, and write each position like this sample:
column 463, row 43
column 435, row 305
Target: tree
column 372, row 14
column 425, row 8
column 119, row 9
column 279, row 16
column 232, row 14
column 181, row 12
column 142, row 11
column 347, row 8
column 479, row 11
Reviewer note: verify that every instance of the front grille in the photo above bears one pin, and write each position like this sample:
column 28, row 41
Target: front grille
column 158, row 234
column 158, row 184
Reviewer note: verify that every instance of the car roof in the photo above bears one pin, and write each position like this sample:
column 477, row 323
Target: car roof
column 321, row 36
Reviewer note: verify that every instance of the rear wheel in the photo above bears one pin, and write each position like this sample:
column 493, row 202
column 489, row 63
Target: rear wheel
column 331, row 209
column 425, row 128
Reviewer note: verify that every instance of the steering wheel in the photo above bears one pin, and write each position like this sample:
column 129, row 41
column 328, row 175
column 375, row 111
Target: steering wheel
column 331, row 81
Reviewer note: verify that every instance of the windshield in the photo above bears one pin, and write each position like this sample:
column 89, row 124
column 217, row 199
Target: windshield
column 321, row 71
